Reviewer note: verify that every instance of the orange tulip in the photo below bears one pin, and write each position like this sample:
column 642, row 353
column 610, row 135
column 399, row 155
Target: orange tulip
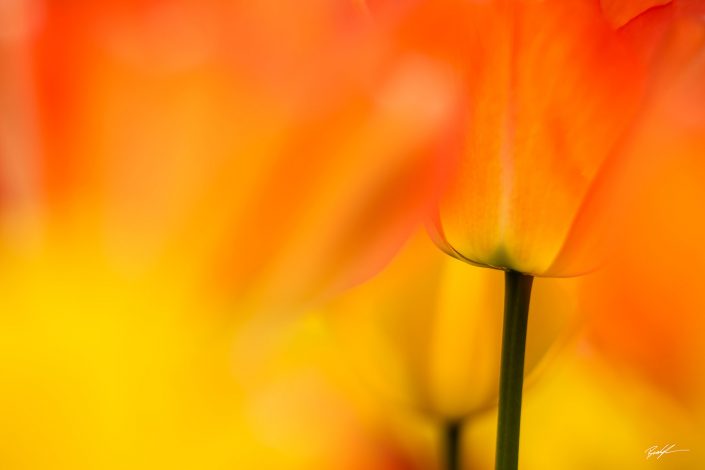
column 550, row 93
column 267, row 150
column 651, row 319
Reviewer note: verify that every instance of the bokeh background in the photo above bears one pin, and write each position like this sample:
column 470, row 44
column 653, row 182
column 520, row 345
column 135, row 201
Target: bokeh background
column 212, row 253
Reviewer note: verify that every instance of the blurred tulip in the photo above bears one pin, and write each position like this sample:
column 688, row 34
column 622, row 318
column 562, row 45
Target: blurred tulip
column 550, row 92
column 651, row 319
column 645, row 307
column 271, row 151
column 425, row 332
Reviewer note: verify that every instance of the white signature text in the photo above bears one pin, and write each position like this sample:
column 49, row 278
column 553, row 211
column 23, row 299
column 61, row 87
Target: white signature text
column 667, row 449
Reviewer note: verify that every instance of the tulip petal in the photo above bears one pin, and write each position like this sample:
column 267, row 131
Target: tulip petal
column 620, row 12
column 550, row 90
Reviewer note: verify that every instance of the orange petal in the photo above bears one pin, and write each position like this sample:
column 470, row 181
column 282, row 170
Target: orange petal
column 550, row 90
column 620, row 12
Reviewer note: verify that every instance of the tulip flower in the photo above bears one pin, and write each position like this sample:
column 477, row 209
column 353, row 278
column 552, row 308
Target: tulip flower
column 411, row 331
column 651, row 319
column 551, row 90
column 551, row 93
column 258, row 149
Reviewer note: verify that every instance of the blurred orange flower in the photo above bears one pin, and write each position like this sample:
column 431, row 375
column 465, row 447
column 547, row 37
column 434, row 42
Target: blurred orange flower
column 272, row 152
column 651, row 319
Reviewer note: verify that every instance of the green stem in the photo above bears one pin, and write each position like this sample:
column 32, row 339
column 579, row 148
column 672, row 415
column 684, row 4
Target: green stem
column 452, row 434
column 517, row 293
